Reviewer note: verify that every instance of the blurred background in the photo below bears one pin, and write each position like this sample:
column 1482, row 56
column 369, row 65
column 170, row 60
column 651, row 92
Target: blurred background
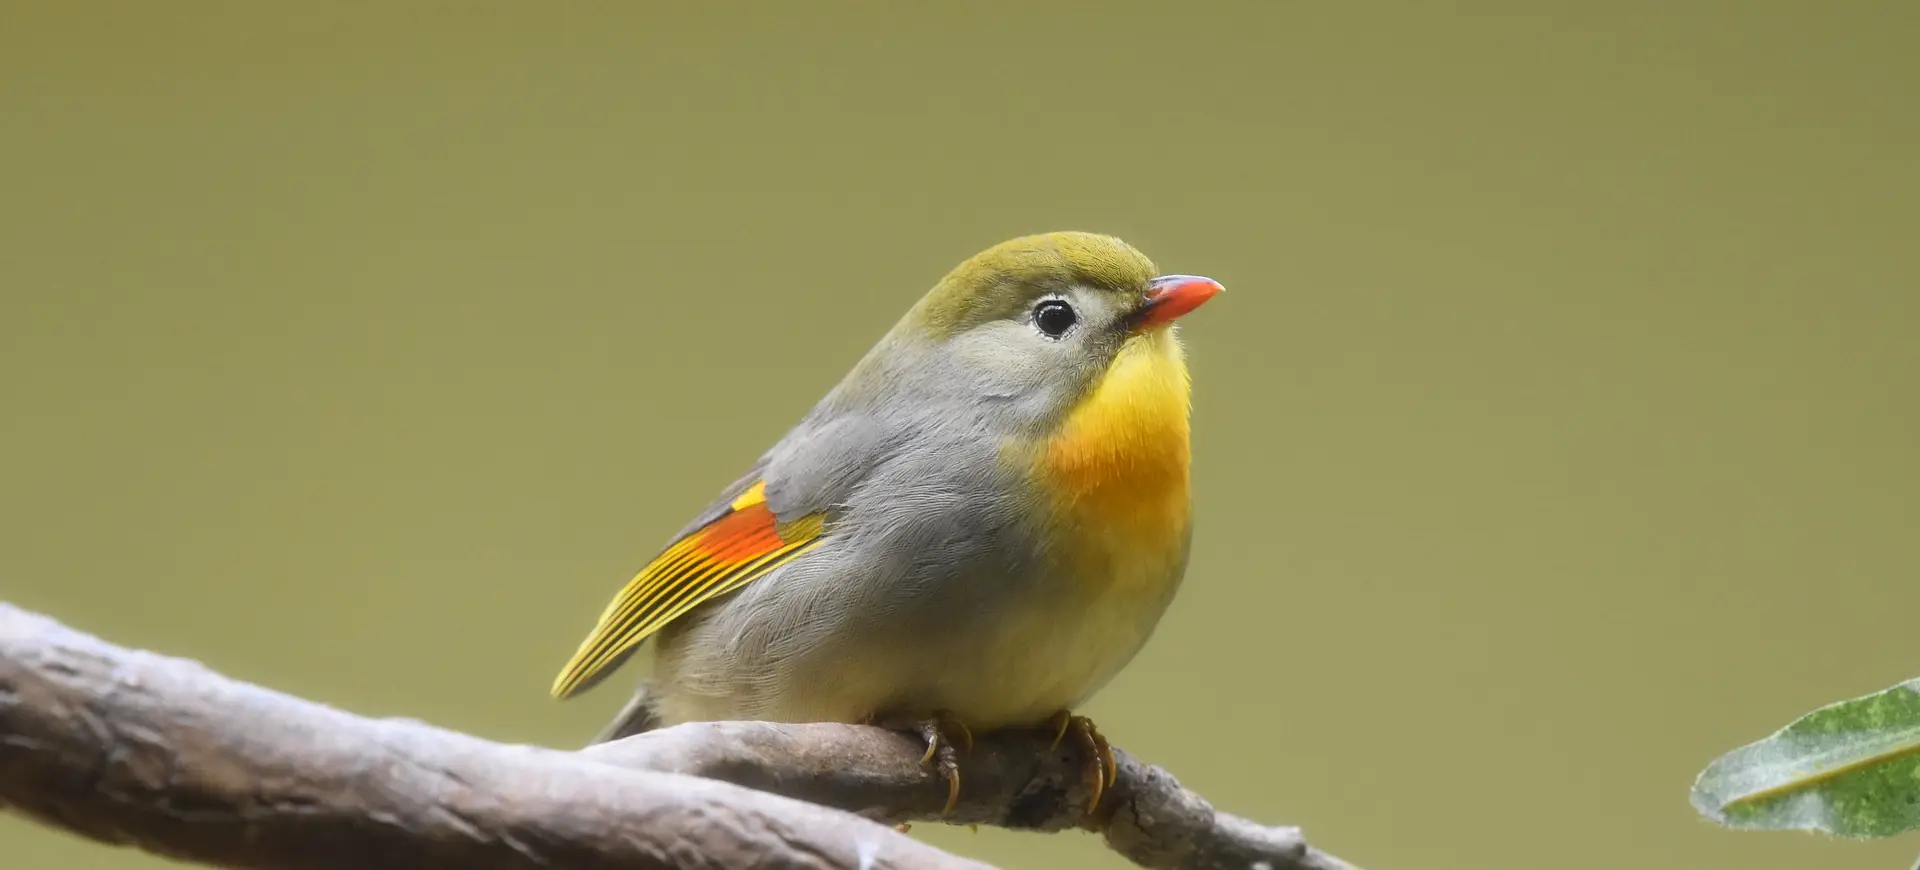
column 1557, row 433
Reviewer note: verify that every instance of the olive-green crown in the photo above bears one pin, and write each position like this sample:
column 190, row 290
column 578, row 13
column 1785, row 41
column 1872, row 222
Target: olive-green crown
column 1004, row 278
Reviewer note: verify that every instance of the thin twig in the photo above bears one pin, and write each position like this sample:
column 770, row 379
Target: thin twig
column 1009, row 780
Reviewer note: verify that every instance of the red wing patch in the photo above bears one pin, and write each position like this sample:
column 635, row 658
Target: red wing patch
column 737, row 548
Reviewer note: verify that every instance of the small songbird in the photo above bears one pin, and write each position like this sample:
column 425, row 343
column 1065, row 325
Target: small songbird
column 976, row 529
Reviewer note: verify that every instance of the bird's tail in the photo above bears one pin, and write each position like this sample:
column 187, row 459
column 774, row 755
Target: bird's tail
column 642, row 714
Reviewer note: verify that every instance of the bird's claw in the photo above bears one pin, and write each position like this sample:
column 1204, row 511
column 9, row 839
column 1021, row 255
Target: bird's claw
column 1102, row 771
column 942, row 732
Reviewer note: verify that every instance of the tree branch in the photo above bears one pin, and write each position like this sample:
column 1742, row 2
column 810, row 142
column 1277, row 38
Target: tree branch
column 1009, row 780
column 138, row 749
column 134, row 748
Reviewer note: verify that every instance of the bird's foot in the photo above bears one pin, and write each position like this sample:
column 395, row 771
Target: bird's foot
column 943, row 732
column 1102, row 772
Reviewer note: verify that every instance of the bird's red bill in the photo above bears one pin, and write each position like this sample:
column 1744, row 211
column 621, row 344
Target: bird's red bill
column 1174, row 296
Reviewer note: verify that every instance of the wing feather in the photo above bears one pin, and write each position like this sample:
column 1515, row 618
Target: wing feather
column 738, row 545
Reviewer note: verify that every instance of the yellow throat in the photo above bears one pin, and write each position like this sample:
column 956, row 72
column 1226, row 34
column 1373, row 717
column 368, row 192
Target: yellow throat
column 1118, row 464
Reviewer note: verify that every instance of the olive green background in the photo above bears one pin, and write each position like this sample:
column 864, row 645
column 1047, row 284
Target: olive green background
column 1557, row 431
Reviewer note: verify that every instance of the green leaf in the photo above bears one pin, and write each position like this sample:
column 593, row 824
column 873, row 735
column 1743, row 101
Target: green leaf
column 1851, row 769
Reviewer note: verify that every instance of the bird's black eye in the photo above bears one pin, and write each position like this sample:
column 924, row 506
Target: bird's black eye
column 1054, row 317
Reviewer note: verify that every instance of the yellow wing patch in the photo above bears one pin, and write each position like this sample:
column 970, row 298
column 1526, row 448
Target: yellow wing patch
column 737, row 548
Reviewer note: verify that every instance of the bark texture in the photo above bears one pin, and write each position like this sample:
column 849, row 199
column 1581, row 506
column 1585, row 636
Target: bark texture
column 133, row 748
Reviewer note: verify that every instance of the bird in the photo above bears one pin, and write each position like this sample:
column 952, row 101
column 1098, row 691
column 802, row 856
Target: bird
column 975, row 529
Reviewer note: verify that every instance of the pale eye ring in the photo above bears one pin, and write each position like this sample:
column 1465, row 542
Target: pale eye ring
column 1054, row 318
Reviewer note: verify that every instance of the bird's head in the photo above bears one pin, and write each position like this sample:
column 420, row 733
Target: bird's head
column 1032, row 325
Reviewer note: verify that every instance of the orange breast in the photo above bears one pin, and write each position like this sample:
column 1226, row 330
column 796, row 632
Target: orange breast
column 1118, row 466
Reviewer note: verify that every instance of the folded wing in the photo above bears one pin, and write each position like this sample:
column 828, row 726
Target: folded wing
column 743, row 542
